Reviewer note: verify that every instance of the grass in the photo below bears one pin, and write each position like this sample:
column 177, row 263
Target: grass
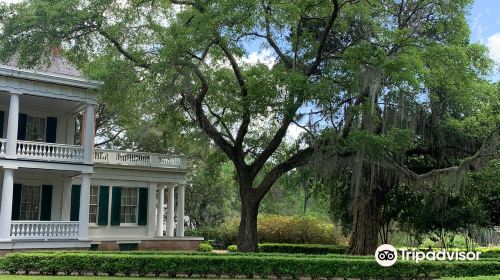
column 46, row 277
column 470, row 278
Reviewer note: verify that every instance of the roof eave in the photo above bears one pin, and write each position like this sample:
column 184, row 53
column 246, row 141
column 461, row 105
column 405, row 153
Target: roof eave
column 53, row 78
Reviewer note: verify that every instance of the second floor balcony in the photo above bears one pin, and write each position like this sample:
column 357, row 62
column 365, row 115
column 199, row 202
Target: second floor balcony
column 50, row 152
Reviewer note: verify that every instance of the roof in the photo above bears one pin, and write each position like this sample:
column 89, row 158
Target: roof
column 58, row 71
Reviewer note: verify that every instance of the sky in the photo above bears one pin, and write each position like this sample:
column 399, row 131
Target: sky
column 484, row 21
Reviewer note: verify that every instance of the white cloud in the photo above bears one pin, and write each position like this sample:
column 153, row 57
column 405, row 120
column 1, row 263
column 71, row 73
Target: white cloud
column 493, row 45
column 478, row 28
column 293, row 132
column 264, row 56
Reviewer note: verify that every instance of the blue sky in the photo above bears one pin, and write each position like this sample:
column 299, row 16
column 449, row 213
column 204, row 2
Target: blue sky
column 484, row 20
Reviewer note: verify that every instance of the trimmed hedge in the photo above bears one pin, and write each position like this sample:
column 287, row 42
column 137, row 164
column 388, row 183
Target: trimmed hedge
column 301, row 248
column 237, row 264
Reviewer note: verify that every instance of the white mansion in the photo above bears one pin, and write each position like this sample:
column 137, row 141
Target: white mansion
column 56, row 194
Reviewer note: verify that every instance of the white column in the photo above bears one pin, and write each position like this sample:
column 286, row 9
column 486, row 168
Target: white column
column 159, row 211
column 152, row 209
column 88, row 133
column 12, row 126
column 6, row 206
column 83, row 227
column 170, row 211
column 66, row 200
column 180, row 210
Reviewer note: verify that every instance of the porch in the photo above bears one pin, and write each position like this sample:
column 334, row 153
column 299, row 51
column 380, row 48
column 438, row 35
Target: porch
column 50, row 206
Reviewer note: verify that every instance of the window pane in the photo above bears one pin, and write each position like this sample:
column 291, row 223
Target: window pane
column 35, row 129
column 30, row 203
column 94, row 203
column 129, row 205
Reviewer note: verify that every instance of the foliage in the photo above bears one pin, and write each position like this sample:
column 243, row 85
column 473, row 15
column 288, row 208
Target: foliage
column 232, row 248
column 211, row 193
column 236, row 264
column 278, row 229
column 205, row 247
column 301, row 248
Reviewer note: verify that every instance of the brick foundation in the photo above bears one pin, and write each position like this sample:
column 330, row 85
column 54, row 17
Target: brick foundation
column 154, row 245
column 181, row 244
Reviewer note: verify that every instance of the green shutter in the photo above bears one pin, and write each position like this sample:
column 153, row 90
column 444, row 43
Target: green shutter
column 75, row 203
column 50, row 136
column 46, row 207
column 116, row 205
column 142, row 215
column 21, row 128
column 16, row 202
column 1, row 124
column 102, row 218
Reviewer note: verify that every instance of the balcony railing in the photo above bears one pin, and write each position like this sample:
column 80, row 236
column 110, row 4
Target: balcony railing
column 43, row 230
column 49, row 151
column 75, row 154
column 138, row 159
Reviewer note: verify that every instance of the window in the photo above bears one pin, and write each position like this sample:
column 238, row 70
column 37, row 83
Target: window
column 30, row 203
column 35, row 129
column 94, row 203
column 129, row 205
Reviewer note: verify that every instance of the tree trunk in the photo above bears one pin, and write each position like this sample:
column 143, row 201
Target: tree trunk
column 365, row 226
column 247, row 237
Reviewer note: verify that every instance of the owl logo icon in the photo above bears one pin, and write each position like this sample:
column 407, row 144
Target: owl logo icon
column 386, row 255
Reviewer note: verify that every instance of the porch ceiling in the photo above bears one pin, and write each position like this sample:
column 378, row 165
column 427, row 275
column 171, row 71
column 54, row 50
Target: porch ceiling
column 41, row 174
column 38, row 103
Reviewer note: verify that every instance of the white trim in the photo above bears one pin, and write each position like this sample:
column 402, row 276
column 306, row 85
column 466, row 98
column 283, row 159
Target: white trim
column 40, row 244
column 11, row 71
column 85, row 168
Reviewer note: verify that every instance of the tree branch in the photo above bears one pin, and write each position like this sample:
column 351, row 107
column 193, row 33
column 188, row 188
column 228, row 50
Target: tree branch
column 271, row 41
column 203, row 121
column 328, row 28
column 298, row 159
column 489, row 150
column 120, row 49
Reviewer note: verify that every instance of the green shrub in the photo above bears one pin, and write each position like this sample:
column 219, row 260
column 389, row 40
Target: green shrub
column 301, row 248
column 278, row 229
column 232, row 248
column 205, row 247
column 237, row 264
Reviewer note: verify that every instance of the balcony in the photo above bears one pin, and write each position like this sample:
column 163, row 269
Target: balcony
column 115, row 157
column 43, row 230
column 75, row 154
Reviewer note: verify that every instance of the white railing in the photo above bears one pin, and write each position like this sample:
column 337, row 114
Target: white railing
column 49, row 151
column 45, row 230
column 3, row 144
column 138, row 159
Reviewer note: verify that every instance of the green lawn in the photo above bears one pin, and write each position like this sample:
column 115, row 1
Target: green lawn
column 45, row 277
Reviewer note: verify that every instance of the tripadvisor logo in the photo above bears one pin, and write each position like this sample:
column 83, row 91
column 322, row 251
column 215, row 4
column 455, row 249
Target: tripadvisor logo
column 387, row 255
